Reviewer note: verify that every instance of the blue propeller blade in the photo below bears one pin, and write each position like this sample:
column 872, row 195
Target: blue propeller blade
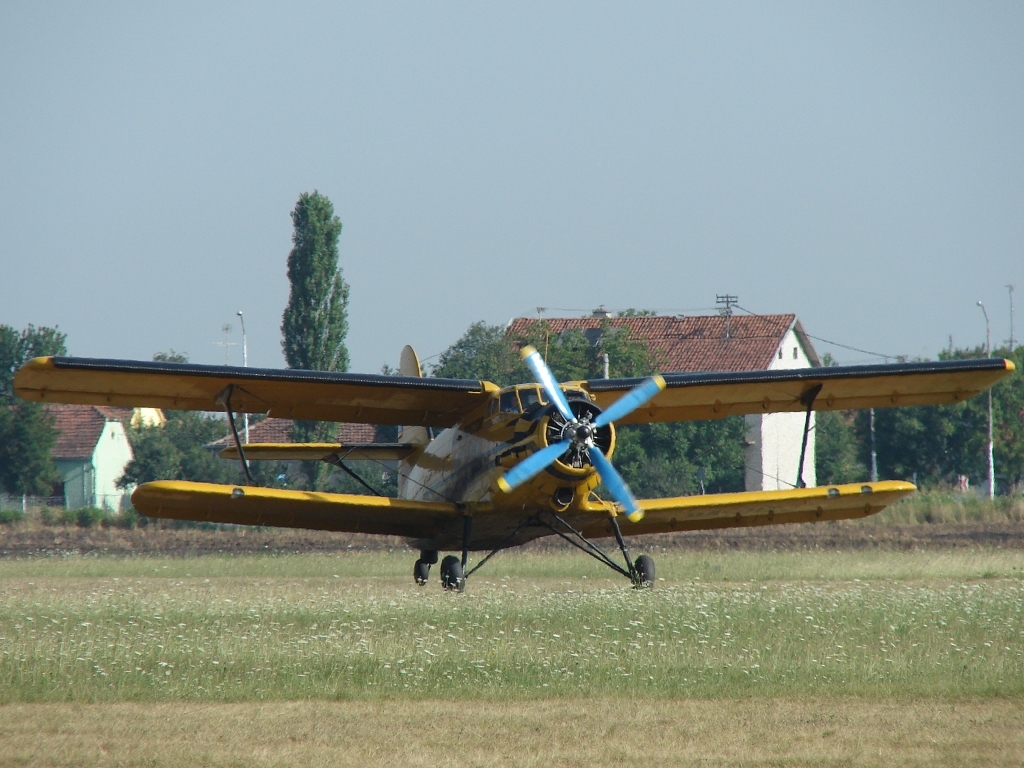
column 532, row 465
column 616, row 485
column 630, row 401
column 542, row 373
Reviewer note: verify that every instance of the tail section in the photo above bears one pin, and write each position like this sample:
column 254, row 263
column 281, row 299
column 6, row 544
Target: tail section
column 409, row 365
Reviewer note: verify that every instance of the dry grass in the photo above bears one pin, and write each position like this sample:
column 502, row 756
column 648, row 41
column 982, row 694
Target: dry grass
column 938, row 506
column 564, row 732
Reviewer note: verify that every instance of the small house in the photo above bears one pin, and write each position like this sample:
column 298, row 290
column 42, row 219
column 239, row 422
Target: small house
column 92, row 451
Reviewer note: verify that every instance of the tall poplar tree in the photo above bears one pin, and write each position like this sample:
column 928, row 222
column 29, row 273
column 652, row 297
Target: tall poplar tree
column 315, row 322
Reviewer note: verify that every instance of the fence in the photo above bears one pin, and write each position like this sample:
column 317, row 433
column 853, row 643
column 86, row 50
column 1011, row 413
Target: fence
column 25, row 503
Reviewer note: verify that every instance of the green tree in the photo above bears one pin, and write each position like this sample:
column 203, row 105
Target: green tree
column 837, row 449
column 484, row 352
column 175, row 451
column 1008, row 419
column 18, row 347
column 27, row 435
column 315, row 322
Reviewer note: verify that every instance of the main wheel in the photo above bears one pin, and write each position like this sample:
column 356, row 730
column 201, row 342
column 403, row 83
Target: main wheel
column 452, row 576
column 643, row 569
column 429, row 556
column 421, row 572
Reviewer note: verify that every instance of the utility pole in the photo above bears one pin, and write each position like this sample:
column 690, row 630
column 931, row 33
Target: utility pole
column 605, row 364
column 245, row 364
column 1010, row 289
column 991, row 459
column 726, row 303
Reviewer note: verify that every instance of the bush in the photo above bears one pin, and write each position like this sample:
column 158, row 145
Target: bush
column 11, row 516
column 89, row 517
column 55, row 516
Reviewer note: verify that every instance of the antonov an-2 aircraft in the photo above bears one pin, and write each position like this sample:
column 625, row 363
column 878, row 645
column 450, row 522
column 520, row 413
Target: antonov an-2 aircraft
column 508, row 465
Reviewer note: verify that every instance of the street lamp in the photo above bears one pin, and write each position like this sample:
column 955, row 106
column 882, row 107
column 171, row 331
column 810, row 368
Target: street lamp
column 991, row 459
column 1010, row 289
column 245, row 364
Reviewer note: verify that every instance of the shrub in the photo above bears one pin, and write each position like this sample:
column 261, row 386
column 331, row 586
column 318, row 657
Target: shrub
column 11, row 516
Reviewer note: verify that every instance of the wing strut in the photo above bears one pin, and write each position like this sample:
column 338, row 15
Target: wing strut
column 807, row 398
column 224, row 398
column 339, row 462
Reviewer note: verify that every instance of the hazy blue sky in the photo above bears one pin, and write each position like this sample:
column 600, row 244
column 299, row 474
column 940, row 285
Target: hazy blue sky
column 859, row 164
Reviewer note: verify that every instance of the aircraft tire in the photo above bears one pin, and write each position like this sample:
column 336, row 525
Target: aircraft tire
column 644, row 570
column 452, row 577
column 429, row 556
column 421, row 572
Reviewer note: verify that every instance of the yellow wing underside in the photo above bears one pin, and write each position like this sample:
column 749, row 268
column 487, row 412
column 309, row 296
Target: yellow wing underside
column 321, row 452
column 693, row 397
column 286, row 394
column 370, row 399
column 438, row 521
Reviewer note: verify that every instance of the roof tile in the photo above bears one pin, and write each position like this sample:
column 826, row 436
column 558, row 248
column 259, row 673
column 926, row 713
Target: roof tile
column 79, row 428
column 690, row 344
column 271, row 430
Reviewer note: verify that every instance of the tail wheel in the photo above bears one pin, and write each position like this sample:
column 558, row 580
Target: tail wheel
column 643, row 572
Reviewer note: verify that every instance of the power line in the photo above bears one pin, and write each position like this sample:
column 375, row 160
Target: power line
column 885, row 357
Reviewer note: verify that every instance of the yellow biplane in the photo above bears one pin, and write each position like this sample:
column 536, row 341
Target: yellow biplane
column 507, row 465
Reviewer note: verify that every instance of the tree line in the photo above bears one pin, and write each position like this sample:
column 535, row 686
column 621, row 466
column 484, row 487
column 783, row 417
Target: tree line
column 933, row 446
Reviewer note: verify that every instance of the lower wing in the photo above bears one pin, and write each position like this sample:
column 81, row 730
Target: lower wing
column 738, row 510
column 206, row 502
column 329, row 452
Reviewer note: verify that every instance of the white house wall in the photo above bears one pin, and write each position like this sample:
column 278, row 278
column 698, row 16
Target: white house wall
column 773, row 439
column 111, row 456
column 79, row 482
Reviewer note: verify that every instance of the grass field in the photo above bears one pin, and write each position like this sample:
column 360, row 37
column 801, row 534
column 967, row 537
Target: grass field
column 788, row 645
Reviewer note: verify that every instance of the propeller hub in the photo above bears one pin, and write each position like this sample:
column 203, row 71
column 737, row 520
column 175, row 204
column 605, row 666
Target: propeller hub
column 584, row 433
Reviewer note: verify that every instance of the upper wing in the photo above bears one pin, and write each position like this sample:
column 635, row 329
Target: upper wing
column 206, row 502
column 287, row 394
column 695, row 396
column 737, row 510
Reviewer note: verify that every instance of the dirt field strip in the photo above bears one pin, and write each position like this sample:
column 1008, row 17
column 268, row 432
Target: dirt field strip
column 566, row 732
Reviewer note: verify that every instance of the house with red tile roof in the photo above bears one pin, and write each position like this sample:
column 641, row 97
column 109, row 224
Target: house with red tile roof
column 722, row 342
column 271, row 430
column 91, row 453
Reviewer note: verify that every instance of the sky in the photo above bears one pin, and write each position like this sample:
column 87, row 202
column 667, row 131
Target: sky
column 858, row 164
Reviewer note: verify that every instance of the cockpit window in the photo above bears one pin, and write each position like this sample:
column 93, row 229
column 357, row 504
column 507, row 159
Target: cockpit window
column 509, row 403
column 529, row 398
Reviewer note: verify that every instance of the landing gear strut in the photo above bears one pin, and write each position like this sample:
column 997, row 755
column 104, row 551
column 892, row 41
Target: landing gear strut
column 421, row 571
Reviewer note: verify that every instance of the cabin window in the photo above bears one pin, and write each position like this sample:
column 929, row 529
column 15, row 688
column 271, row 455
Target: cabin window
column 492, row 406
column 529, row 398
column 509, row 402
